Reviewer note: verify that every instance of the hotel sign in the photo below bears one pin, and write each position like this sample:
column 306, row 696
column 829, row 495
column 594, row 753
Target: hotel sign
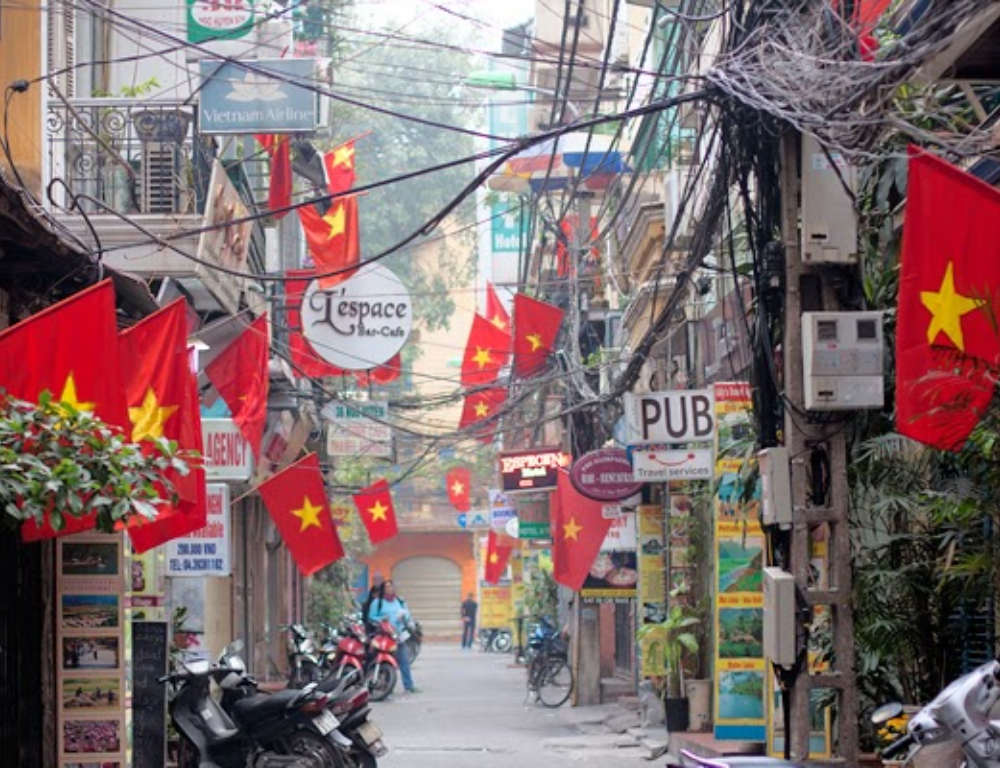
column 261, row 96
column 533, row 470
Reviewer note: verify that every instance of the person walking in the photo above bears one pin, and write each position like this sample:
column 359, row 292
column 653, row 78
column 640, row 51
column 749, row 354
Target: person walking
column 469, row 609
column 392, row 608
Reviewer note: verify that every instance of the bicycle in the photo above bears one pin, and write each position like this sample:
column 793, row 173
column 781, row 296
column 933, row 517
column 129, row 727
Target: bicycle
column 550, row 678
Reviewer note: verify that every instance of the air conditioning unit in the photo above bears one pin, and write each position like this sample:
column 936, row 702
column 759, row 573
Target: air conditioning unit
column 843, row 360
column 829, row 221
column 161, row 191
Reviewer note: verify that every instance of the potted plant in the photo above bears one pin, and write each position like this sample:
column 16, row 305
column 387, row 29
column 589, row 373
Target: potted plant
column 673, row 639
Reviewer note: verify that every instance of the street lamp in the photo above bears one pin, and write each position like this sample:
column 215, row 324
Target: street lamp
column 505, row 81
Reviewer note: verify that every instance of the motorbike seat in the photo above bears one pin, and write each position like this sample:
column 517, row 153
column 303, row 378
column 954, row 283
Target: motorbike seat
column 263, row 706
column 736, row 762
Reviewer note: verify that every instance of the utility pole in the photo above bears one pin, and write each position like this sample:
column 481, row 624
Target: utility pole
column 815, row 448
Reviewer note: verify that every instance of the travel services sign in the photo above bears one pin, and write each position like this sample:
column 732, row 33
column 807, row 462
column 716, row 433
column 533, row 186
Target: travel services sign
column 262, row 96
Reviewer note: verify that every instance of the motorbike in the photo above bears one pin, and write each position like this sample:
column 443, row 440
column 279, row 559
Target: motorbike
column 412, row 638
column 303, row 659
column 355, row 737
column 286, row 730
column 370, row 655
column 346, row 649
column 495, row 640
column 960, row 713
column 691, row 759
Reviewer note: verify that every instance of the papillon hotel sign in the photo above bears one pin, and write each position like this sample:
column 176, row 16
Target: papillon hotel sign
column 262, row 96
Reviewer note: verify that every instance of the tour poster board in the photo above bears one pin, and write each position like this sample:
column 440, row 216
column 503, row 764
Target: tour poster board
column 652, row 580
column 740, row 669
column 90, row 650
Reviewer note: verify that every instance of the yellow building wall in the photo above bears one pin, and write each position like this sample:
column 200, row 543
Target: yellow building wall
column 21, row 59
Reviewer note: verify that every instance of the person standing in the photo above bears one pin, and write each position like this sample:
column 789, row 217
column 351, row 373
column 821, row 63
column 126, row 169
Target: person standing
column 377, row 592
column 469, row 609
column 391, row 607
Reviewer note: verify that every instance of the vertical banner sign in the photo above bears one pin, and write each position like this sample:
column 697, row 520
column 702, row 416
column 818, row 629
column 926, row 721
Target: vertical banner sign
column 740, row 670
column 652, row 579
column 614, row 575
column 90, row 650
column 495, row 607
column 150, row 644
column 204, row 552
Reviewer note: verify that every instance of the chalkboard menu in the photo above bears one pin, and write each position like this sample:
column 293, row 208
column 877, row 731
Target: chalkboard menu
column 149, row 697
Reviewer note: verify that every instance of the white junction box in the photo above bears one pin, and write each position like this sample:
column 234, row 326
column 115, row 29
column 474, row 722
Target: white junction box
column 779, row 617
column 829, row 222
column 775, row 487
column 843, row 360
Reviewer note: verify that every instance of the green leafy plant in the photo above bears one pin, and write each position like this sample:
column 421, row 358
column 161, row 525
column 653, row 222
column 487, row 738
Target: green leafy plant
column 674, row 639
column 55, row 460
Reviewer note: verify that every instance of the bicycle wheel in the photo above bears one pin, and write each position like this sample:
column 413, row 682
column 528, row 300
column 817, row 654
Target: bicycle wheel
column 501, row 642
column 555, row 683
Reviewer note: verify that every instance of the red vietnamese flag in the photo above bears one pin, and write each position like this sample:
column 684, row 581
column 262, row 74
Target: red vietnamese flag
column 566, row 242
column 536, row 325
column 279, row 195
column 458, row 482
column 480, row 412
column 497, row 555
column 496, row 312
column 949, row 304
column 296, row 499
column 578, row 531
column 240, row 375
column 374, row 505
column 162, row 395
column 388, row 372
column 305, row 358
column 487, row 351
column 338, row 164
column 71, row 350
column 333, row 239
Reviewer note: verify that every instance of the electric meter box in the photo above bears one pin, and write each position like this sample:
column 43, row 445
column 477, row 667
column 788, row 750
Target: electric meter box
column 775, row 487
column 779, row 617
column 843, row 360
column 829, row 222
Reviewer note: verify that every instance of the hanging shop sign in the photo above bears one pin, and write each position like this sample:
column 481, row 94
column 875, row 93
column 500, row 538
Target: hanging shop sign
column 360, row 323
column 658, row 463
column 206, row 551
column 224, row 241
column 212, row 20
column 532, row 470
column 227, row 454
column 681, row 416
column 604, row 475
column 258, row 96
column 533, row 516
column 358, row 429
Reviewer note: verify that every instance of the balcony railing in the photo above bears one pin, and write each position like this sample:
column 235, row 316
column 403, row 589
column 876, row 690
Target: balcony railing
column 126, row 156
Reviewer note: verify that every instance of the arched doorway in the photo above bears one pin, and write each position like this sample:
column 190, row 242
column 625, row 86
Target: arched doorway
column 432, row 589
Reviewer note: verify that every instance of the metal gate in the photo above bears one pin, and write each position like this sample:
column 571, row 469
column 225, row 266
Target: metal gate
column 21, row 607
column 432, row 589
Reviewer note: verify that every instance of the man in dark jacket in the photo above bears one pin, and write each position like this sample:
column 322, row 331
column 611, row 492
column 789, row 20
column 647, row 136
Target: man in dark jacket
column 469, row 608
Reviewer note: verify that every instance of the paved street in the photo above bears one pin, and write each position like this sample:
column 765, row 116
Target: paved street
column 471, row 711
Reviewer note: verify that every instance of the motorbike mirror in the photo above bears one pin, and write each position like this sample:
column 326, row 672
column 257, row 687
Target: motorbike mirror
column 887, row 712
column 235, row 647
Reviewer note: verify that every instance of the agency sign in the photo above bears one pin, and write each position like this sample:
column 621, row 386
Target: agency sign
column 533, row 470
column 359, row 323
column 261, row 96
column 682, row 416
column 226, row 452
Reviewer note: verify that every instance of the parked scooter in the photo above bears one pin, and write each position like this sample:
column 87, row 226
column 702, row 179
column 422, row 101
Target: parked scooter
column 691, row 759
column 495, row 640
column 286, row 731
column 960, row 714
column 303, row 659
column 355, row 737
column 412, row 638
column 368, row 654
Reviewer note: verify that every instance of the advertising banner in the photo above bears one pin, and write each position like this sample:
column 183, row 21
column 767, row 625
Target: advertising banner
column 495, row 606
column 533, row 470
column 533, row 516
column 258, row 96
column 652, row 580
column 204, row 552
column 358, row 429
column 614, row 576
column 740, row 669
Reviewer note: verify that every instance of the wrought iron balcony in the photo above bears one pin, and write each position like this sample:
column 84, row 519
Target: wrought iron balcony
column 126, row 156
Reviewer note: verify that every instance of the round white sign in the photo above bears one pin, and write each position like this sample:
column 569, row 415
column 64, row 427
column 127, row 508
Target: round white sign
column 511, row 528
column 360, row 323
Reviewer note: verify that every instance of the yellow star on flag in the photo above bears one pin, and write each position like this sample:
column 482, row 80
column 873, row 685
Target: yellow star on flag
column 335, row 217
column 308, row 513
column 947, row 308
column 571, row 529
column 149, row 419
column 343, row 156
column 535, row 339
column 378, row 511
column 482, row 409
column 482, row 357
column 69, row 396
column 458, row 488
column 499, row 323
column 494, row 558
